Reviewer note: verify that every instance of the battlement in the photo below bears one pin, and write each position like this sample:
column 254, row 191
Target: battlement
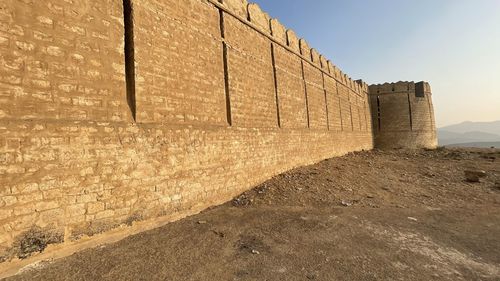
column 286, row 37
column 364, row 86
column 418, row 88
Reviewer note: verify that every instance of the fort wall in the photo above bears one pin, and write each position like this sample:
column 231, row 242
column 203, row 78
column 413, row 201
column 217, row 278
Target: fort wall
column 114, row 111
column 403, row 115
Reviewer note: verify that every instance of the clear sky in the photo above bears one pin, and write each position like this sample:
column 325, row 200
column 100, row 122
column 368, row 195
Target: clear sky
column 453, row 44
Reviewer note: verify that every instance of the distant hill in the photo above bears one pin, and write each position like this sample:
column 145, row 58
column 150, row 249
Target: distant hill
column 465, row 127
column 476, row 144
column 471, row 134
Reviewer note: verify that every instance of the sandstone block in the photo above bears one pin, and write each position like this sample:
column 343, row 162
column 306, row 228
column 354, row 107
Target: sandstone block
column 50, row 217
column 5, row 213
column 105, row 214
column 75, row 210
column 23, row 222
column 46, row 205
column 95, row 207
column 29, row 198
column 239, row 7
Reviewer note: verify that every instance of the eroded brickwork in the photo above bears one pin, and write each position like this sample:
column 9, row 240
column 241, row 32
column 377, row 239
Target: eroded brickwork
column 251, row 83
column 224, row 98
column 333, row 102
column 291, row 89
column 62, row 60
column 179, row 67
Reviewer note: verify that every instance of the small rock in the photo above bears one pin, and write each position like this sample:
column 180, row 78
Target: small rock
column 370, row 196
column 311, row 276
column 474, row 176
column 218, row 233
column 202, row 222
column 242, row 201
column 412, row 219
column 255, row 252
column 346, row 203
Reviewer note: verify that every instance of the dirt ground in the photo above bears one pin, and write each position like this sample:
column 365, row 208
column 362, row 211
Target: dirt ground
column 398, row 215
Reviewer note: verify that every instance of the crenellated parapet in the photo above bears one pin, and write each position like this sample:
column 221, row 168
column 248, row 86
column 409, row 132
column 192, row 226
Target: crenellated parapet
column 419, row 88
column 260, row 20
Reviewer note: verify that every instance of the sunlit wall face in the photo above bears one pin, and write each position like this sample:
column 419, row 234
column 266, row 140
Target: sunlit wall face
column 453, row 44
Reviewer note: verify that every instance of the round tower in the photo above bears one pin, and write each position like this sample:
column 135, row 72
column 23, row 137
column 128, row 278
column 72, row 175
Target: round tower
column 403, row 115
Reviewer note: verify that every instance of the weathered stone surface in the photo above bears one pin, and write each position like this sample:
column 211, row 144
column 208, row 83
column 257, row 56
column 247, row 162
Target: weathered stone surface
column 291, row 89
column 251, row 80
column 324, row 64
column 293, row 40
column 278, row 31
column 239, row 7
column 178, row 63
column 315, row 57
column 62, row 60
column 259, row 18
column 474, row 176
column 305, row 50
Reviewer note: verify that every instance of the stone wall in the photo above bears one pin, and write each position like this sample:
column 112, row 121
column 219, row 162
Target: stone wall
column 403, row 115
column 61, row 60
column 215, row 98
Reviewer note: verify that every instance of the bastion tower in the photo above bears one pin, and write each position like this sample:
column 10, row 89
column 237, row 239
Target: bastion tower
column 403, row 115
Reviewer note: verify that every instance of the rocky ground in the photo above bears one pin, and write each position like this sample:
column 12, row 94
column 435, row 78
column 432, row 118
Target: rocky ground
column 398, row 215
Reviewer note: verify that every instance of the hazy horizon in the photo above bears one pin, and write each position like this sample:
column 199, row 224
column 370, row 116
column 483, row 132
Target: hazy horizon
column 453, row 44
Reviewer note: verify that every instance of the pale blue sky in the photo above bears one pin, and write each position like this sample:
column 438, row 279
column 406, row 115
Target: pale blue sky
column 453, row 44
